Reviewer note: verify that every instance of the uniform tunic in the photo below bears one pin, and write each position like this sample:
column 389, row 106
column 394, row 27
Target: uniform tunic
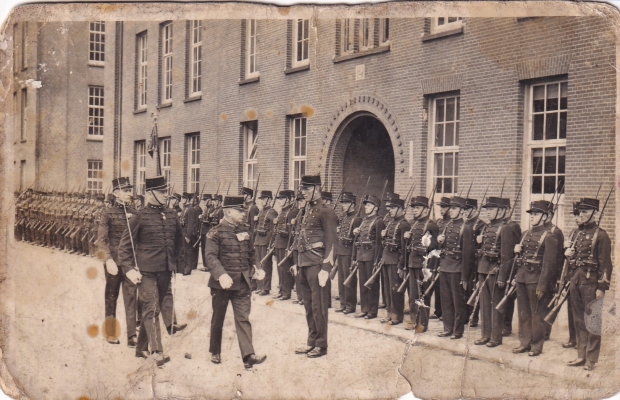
column 263, row 235
column 344, row 250
column 367, row 252
column 394, row 258
column 281, row 243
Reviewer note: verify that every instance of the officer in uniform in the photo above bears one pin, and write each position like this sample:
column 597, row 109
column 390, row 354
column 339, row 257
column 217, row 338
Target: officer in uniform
column 113, row 223
column 515, row 230
column 315, row 258
column 559, row 237
column 572, row 329
column 456, row 265
column 421, row 239
column 591, row 273
column 344, row 250
column 148, row 252
column 442, row 223
column 252, row 209
column 281, row 241
column 192, row 235
column 537, row 264
column 231, row 260
column 263, row 233
column 472, row 217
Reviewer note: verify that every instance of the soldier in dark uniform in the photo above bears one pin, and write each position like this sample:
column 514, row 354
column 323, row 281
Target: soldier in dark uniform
column 572, row 329
column 344, row 250
column 263, row 233
column 515, row 231
column 327, row 198
column 252, row 209
column 537, row 263
column 421, row 239
column 559, row 237
column 301, row 206
column 472, row 218
column 231, row 260
column 442, row 223
column 281, row 241
column 457, row 260
column 192, row 235
column 315, row 258
column 205, row 207
column 368, row 250
column 113, row 223
column 148, row 251
column 590, row 258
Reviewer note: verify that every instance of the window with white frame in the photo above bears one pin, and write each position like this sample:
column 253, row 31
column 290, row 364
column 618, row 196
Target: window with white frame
column 193, row 163
column 444, row 143
column 250, row 152
column 301, row 41
column 140, row 167
column 166, row 153
column 166, row 41
column 23, row 114
column 443, row 24
column 251, row 62
column 298, row 150
column 547, row 112
column 94, row 178
column 97, row 42
column 196, row 56
column 24, row 50
column 142, row 69
column 15, row 29
column 348, row 25
column 95, row 111
column 366, row 36
column 384, row 30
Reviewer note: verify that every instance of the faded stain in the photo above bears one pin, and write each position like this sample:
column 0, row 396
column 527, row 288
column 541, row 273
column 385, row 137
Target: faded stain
column 125, row 165
column 307, row 111
column 111, row 328
column 92, row 330
column 251, row 114
column 284, row 10
column 91, row 273
column 192, row 314
column 223, row 116
column 269, row 114
column 269, row 303
column 100, row 255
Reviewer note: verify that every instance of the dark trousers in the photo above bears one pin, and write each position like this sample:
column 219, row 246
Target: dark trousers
column 191, row 255
column 572, row 327
column 369, row 297
column 151, row 292
column 265, row 284
column 419, row 315
column 113, row 285
column 300, row 295
column 348, row 294
column 453, row 303
column 242, row 304
column 436, row 293
column 509, row 312
column 385, row 286
column 491, row 320
column 316, row 300
column 397, row 301
column 284, row 273
column 167, row 308
column 203, row 247
column 588, row 343
column 532, row 327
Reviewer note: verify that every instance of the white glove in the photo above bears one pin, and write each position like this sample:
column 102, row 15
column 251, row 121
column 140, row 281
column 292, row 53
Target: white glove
column 441, row 238
column 225, row 281
column 407, row 235
column 427, row 274
column 256, row 218
column 356, row 231
column 293, row 221
column 294, row 270
column 111, row 267
column 383, row 232
column 479, row 239
column 570, row 252
column 426, row 239
column 259, row 274
column 134, row 276
column 323, row 277
column 517, row 248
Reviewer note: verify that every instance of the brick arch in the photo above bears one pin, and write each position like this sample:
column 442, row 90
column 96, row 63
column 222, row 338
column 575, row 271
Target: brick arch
column 334, row 142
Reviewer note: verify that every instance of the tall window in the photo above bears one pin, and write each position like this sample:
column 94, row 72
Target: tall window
column 15, row 29
column 366, row 33
column 252, row 49
column 196, row 54
column 193, row 163
column 250, row 151
column 94, row 178
column 142, row 69
column 298, row 150
column 301, row 42
column 140, row 167
column 347, row 35
column 442, row 24
column 97, row 42
column 166, row 152
column 23, row 114
column 166, row 40
column 22, row 175
column 547, row 108
column 95, row 110
column 444, row 143
column 24, row 52
column 384, row 30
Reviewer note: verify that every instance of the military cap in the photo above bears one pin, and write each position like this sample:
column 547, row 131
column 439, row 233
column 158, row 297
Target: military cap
column 493, row 202
column 372, row 200
column 121, row 183
column 265, row 193
column 186, row 195
column 444, row 202
column 176, row 196
column 457, row 201
column 156, row 183
column 207, row 196
column 505, row 202
column 233, row 202
column 419, row 201
column 588, row 204
column 247, row 191
column 326, row 195
column 471, row 203
column 389, row 196
column 310, row 180
column 395, row 202
column 217, row 197
column 290, row 193
column 539, row 206
column 348, row 197
column 283, row 194
column 576, row 208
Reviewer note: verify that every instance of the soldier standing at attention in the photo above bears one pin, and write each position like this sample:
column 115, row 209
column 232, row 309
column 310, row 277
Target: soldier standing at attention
column 537, row 266
column 231, row 259
column 252, row 209
column 442, row 223
column 559, row 238
column 301, row 207
column 148, row 251
column 113, row 223
column 263, row 232
column 315, row 258
column 205, row 207
column 344, row 249
column 572, row 329
column 192, row 232
column 281, row 242
column 456, row 263
column 592, row 268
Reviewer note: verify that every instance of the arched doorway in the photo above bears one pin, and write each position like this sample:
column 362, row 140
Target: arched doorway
column 361, row 148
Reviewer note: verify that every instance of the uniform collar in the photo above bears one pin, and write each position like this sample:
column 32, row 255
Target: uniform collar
column 590, row 225
column 155, row 207
column 539, row 228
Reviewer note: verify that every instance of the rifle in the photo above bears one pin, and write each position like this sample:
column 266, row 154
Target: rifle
column 227, row 190
column 475, row 296
column 255, row 189
column 340, row 195
column 334, row 270
column 403, row 286
column 516, row 199
column 201, row 224
column 502, row 192
column 359, row 208
column 563, row 281
column 276, row 193
column 409, row 195
column 470, row 184
column 600, row 218
column 347, row 282
column 375, row 274
column 429, row 290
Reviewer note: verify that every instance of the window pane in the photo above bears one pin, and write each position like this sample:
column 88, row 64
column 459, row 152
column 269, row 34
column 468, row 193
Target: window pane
column 537, row 161
column 550, row 184
column 438, row 135
column 563, row 125
column 456, row 165
column 561, row 183
column 439, row 110
column 438, row 185
column 564, row 95
column 456, row 187
column 448, row 167
column 302, row 152
column 551, row 131
column 449, row 138
column 297, row 147
column 539, row 98
column 536, row 184
column 456, row 134
column 562, row 160
column 450, row 109
column 439, row 164
column 552, row 97
column 550, row 160
column 447, row 185
column 539, row 120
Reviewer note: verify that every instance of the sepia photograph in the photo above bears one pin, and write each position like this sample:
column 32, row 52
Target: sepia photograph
column 226, row 200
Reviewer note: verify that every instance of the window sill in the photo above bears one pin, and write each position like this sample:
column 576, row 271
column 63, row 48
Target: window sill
column 351, row 56
column 249, row 80
column 297, row 69
column 90, row 138
column 139, row 111
column 451, row 32
column 96, row 64
column 192, row 98
column 165, row 105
